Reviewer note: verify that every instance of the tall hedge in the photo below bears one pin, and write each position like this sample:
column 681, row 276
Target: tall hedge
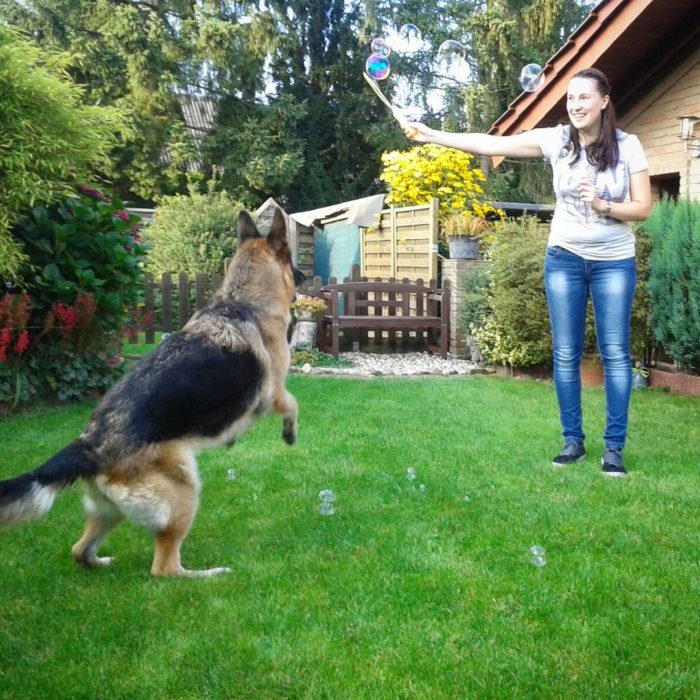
column 674, row 280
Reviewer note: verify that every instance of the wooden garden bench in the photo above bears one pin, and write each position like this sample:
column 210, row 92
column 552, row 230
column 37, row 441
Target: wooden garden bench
column 384, row 306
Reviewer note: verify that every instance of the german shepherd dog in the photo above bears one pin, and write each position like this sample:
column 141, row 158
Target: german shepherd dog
column 201, row 388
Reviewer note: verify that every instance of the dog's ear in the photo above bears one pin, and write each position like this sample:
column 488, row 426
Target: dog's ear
column 246, row 227
column 277, row 238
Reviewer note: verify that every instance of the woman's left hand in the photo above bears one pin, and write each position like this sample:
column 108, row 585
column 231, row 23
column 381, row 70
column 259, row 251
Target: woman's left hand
column 586, row 192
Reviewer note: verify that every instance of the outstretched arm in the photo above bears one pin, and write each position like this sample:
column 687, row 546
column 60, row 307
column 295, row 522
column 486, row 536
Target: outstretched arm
column 522, row 145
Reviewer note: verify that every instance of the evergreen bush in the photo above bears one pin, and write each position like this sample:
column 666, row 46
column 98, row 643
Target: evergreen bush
column 674, row 282
column 472, row 312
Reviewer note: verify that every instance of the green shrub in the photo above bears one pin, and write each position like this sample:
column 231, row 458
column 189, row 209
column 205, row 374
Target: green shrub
column 516, row 330
column 193, row 233
column 85, row 244
column 674, row 282
column 474, row 308
column 642, row 336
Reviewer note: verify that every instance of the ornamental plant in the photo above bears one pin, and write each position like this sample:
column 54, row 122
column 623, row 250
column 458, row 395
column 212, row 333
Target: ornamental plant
column 312, row 305
column 674, row 283
column 84, row 273
column 415, row 176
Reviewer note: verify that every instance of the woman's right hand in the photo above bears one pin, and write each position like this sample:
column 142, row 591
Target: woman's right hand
column 415, row 131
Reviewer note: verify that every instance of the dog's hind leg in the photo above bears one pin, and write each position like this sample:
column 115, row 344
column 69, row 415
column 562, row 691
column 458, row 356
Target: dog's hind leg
column 101, row 517
column 166, row 559
column 175, row 499
column 286, row 404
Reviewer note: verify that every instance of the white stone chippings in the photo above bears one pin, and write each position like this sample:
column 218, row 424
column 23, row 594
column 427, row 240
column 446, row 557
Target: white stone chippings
column 408, row 364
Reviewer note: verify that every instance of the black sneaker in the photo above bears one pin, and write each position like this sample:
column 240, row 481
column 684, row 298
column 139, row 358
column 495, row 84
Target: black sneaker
column 573, row 452
column 612, row 462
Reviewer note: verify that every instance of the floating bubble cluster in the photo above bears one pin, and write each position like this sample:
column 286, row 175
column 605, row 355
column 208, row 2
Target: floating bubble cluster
column 327, row 498
column 537, row 553
column 531, row 77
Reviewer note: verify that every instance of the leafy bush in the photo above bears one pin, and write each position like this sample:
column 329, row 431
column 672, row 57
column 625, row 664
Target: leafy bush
column 65, row 140
column 61, row 336
column 474, row 308
column 85, row 244
column 193, row 233
column 674, row 283
column 516, row 329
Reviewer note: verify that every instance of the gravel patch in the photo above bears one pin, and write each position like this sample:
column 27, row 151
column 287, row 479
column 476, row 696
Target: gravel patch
column 404, row 365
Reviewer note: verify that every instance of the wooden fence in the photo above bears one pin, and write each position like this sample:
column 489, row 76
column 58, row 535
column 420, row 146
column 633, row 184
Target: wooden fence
column 169, row 302
column 361, row 337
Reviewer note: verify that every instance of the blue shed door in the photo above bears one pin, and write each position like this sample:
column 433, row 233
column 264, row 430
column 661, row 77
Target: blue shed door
column 336, row 250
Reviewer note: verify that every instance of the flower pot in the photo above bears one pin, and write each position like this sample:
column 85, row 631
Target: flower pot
column 463, row 247
column 304, row 315
column 304, row 333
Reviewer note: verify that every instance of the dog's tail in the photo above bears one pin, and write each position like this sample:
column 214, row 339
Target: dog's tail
column 31, row 495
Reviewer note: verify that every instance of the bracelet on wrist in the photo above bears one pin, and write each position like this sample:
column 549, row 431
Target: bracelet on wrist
column 606, row 210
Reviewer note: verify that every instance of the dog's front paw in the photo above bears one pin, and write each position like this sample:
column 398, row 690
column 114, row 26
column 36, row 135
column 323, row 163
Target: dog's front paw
column 289, row 431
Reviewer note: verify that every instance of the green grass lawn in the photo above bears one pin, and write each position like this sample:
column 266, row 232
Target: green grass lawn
column 402, row 593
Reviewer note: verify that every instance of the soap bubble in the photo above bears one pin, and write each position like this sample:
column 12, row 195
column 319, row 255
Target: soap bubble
column 381, row 47
column 451, row 60
column 231, row 475
column 539, row 562
column 531, row 77
column 411, row 38
column 411, row 474
column 378, row 66
column 326, row 496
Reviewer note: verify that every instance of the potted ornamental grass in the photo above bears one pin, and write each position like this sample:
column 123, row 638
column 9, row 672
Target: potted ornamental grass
column 464, row 232
column 308, row 308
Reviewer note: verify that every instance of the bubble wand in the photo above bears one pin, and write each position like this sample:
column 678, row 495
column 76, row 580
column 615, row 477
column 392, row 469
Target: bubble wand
column 396, row 113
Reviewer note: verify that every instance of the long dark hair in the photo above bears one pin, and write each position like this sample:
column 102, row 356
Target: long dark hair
column 604, row 152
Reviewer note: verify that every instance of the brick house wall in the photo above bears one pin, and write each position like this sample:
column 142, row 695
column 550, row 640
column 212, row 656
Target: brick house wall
column 655, row 120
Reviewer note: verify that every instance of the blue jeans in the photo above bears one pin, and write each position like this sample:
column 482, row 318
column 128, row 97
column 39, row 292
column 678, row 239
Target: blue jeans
column 568, row 280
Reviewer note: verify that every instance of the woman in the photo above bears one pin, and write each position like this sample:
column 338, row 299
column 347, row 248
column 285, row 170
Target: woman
column 601, row 181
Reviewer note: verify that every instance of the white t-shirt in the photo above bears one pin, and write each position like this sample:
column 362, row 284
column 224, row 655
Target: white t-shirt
column 576, row 226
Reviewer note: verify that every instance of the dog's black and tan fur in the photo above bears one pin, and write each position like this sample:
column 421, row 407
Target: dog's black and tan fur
column 202, row 387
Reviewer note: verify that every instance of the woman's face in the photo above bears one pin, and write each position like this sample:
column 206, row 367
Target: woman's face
column 585, row 105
